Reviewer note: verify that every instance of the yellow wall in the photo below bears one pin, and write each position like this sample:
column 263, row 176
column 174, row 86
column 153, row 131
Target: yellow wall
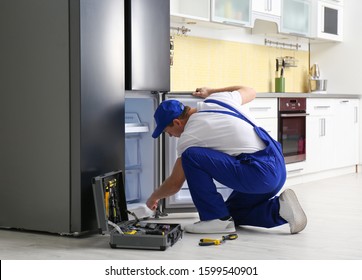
column 217, row 63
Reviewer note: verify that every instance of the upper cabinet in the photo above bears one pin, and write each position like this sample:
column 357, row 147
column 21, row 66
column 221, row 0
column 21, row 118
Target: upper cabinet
column 269, row 10
column 327, row 20
column 314, row 19
column 295, row 19
column 267, row 7
column 233, row 12
column 199, row 9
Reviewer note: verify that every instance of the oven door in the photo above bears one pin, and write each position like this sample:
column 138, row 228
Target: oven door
column 292, row 136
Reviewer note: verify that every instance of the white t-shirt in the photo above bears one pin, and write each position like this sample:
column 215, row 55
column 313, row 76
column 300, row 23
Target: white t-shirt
column 219, row 131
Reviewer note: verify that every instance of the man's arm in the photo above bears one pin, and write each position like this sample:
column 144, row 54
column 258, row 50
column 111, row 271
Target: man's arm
column 169, row 187
column 247, row 93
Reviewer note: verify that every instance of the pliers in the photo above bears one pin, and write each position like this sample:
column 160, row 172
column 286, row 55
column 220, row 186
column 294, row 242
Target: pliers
column 210, row 241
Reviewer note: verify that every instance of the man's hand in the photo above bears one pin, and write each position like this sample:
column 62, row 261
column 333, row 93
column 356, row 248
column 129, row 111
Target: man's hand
column 152, row 203
column 202, row 92
column 247, row 93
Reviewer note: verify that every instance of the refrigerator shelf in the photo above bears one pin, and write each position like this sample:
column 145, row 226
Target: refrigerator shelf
column 136, row 128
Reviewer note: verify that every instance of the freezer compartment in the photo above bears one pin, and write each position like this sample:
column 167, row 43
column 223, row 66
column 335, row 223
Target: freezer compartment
column 147, row 48
column 141, row 151
column 182, row 201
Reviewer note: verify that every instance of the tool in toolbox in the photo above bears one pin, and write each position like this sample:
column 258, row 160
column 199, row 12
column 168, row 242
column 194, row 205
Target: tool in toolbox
column 211, row 241
column 113, row 218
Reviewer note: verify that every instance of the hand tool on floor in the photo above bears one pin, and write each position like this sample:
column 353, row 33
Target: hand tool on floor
column 211, row 241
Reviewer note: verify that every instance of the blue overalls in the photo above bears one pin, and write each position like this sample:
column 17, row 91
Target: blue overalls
column 255, row 179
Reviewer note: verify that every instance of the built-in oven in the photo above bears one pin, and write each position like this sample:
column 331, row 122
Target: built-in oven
column 292, row 127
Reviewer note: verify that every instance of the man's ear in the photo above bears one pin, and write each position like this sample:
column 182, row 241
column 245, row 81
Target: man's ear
column 176, row 122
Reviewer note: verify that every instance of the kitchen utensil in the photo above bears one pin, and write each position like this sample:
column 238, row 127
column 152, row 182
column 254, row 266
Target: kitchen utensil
column 280, row 83
column 318, row 85
column 314, row 71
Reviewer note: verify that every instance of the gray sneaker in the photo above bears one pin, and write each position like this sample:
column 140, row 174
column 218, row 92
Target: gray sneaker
column 291, row 211
column 211, row 226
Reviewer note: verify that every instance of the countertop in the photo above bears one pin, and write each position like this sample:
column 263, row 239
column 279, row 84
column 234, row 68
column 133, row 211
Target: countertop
column 307, row 95
column 289, row 94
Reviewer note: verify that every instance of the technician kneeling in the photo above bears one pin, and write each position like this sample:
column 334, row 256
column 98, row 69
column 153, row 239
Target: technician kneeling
column 218, row 141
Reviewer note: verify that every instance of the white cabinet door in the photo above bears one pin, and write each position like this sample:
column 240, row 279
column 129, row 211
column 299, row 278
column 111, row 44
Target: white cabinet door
column 268, row 7
column 265, row 113
column 295, row 19
column 347, row 132
column 320, row 138
column 233, row 12
column 327, row 20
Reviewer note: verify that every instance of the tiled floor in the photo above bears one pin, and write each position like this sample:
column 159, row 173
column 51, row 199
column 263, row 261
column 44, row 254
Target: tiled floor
column 333, row 207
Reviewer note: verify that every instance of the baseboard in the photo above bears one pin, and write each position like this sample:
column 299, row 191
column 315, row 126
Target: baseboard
column 311, row 177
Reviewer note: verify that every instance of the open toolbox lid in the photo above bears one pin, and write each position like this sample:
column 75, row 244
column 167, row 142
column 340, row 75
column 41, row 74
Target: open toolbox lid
column 110, row 200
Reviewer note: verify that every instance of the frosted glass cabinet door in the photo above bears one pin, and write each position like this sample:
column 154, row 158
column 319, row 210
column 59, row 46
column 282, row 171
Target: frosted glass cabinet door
column 296, row 17
column 235, row 12
column 194, row 9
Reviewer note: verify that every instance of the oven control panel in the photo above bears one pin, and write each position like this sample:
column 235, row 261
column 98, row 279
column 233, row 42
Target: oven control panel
column 292, row 104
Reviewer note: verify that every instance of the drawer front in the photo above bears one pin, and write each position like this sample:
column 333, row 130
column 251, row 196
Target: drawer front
column 261, row 108
column 320, row 106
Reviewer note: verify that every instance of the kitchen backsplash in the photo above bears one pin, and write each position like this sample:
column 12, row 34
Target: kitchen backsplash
column 217, row 63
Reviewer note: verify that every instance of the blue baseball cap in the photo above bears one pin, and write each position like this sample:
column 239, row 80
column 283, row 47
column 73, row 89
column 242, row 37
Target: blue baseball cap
column 165, row 113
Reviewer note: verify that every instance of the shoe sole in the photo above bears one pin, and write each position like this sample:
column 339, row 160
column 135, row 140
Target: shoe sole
column 300, row 218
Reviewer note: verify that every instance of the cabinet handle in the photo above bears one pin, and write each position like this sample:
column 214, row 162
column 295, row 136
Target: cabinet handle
column 322, row 130
column 344, row 101
column 266, row 5
column 355, row 114
column 271, row 5
column 259, row 108
column 295, row 170
column 322, row 107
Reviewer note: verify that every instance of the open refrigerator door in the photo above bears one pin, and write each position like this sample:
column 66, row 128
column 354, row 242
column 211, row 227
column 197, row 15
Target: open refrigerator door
column 141, row 152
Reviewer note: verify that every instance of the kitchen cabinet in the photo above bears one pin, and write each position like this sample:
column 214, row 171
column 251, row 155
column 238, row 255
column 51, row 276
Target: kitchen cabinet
column 264, row 111
column 332, row 133
column 232, row 12
column 268, row 10
column 347, row 132
column 320, row 134
column 295, row 17
column 199, row 9
column 267, row 7
column 327, row 20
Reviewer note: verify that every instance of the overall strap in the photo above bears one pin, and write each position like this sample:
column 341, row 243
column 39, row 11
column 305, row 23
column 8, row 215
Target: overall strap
column 234, row 112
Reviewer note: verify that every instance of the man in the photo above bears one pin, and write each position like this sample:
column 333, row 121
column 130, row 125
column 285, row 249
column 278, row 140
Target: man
column 217, row 141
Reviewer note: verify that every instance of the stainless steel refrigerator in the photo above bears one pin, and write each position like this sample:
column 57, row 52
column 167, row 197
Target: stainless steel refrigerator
column 62, row 109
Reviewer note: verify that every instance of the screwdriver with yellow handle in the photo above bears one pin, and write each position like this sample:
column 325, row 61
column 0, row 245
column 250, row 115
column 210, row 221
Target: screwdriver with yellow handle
column 211, row 241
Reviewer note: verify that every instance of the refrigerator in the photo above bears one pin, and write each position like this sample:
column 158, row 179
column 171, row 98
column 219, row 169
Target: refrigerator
column 149, row 161
column 62, row 110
